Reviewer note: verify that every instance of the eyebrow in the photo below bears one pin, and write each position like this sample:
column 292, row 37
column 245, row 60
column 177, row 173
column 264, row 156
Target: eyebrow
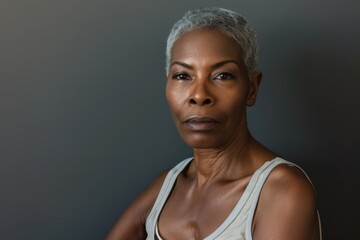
column 216, row 65
column 181, row 64
column 219, row 64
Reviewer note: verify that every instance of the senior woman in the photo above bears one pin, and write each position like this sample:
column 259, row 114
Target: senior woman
column 233, row 187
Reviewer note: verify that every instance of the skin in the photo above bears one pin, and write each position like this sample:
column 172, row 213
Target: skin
column 208, row 90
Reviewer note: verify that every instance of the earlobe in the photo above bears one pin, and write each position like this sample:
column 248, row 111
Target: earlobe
column 255, row 81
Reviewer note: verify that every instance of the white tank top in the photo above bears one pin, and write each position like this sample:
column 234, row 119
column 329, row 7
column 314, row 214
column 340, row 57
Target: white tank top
column 237, row 226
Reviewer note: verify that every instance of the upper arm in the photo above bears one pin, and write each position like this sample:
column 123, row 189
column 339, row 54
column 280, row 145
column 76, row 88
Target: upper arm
column 287, row 207
column 131, row 224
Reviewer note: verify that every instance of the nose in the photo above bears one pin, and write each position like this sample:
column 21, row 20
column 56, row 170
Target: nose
column 200, row 94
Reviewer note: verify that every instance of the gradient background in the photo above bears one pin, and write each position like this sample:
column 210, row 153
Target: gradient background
column 84, row 125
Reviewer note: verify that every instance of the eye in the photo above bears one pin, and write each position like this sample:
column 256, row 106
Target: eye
column 181, row 76
column 224, row 75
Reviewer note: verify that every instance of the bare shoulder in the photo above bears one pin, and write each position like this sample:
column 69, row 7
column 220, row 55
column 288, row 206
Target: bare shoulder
column 131, row 224
column 287, row 206
column 289, row 181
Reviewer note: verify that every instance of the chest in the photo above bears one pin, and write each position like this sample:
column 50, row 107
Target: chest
column 195, row 213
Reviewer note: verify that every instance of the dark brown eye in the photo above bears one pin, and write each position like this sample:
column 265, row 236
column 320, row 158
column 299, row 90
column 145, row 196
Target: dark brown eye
column 181, row 76
column 224, row 75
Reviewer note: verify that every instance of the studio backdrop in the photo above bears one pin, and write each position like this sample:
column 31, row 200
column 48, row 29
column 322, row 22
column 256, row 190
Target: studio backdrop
column 84, row 125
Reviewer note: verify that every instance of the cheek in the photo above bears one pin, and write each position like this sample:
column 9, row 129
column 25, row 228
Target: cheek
column 174, row 98
column 235, row 105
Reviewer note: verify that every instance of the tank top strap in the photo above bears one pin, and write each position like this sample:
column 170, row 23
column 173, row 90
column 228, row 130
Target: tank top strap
column 163, row 195
column 246, row 196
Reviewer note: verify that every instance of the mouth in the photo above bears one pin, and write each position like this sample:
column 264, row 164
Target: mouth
column 201, row 123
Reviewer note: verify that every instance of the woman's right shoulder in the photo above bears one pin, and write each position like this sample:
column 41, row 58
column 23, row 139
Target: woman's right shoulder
column 131, row 224
column 145, row 201
column 150, row 194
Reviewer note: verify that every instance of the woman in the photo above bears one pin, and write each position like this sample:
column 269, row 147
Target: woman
column 233, row 187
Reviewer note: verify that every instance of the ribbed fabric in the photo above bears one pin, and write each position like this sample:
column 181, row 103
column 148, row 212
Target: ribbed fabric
column 237, row 226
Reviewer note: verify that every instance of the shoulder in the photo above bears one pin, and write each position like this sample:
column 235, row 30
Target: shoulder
column 287, row 205
column 288, row 180
column 288, row 188
column 131, row 224
column 147, row 198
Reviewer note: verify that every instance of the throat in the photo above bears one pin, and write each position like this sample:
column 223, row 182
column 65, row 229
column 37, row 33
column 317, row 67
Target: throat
column 231, row 162
column 218, row 170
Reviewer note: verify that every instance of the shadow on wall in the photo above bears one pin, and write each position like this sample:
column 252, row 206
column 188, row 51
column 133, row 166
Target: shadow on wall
column 326, row 87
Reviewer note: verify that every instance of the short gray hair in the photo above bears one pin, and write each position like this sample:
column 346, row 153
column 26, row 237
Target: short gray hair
column 224, row 20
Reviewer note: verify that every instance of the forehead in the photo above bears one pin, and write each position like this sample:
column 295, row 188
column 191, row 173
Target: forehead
column 205, row 45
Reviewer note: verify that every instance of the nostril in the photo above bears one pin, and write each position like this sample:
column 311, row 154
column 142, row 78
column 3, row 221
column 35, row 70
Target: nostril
column 207, row 101
column 192, row 101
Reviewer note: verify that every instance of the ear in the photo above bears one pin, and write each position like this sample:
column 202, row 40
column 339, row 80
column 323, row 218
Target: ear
column 255, row 80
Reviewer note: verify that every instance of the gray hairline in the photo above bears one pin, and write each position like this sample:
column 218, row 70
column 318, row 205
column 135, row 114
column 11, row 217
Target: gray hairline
column 234, row 26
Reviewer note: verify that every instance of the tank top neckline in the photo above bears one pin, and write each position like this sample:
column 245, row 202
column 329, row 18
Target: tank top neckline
column 238, row 206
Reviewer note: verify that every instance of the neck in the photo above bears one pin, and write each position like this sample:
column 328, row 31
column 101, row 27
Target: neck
column 231, row 161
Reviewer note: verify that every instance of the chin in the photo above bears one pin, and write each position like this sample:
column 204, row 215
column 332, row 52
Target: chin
column 202, row 142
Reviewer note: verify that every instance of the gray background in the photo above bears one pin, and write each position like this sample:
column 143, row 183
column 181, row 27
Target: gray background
column 84, row 125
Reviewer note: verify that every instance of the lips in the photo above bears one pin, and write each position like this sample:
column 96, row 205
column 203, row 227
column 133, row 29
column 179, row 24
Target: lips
column 201, row 123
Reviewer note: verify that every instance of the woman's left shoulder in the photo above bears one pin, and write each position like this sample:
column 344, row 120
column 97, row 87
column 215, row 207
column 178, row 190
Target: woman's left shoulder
column 287, row 206
column 288, row 178
column 288, row 183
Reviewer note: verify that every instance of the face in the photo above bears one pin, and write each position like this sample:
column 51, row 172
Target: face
column 208, row 89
